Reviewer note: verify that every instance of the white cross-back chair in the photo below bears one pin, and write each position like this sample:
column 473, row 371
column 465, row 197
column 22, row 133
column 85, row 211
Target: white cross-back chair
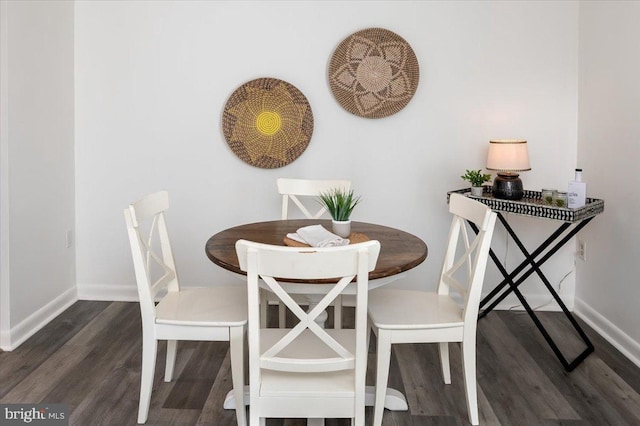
column 297, row 190
column 407, row 316
column 207, row 314
column 304, row 193
column 307, row 371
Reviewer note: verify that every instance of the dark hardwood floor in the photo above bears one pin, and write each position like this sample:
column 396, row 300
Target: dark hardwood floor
column 89, row 359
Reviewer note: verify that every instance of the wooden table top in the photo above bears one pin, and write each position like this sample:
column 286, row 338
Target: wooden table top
column 399, row 250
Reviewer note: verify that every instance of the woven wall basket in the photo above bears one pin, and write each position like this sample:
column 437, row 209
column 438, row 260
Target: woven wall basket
column 374, row 73
column 267, row 123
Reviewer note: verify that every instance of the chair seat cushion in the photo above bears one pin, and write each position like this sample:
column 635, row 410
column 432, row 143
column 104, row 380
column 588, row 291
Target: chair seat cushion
column 411, row 309
column 308, row 346
column 215, row 306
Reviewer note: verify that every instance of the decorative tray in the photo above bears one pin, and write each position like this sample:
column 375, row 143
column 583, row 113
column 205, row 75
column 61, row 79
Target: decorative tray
column 531, row 205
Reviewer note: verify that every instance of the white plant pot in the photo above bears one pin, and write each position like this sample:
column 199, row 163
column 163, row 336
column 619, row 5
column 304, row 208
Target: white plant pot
column 341, row 228
column 477, row 191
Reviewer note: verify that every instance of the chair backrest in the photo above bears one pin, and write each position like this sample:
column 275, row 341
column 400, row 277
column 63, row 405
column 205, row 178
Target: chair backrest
column 273, row 264
column 464, row 266
column 151, row 249
column 295, row 188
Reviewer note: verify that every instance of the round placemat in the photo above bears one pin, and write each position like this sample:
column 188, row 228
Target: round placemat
column 267, row 123
column 354, row 238
column 374, row 73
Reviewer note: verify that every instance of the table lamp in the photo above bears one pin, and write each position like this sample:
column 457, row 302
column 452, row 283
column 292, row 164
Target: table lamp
column 508, row 157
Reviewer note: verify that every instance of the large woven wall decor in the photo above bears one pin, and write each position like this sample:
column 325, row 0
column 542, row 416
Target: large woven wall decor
column 267, row 123
column 374, row 73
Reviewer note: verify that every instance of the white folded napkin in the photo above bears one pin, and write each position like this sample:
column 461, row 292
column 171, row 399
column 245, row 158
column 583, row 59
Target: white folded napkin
column 317, row 236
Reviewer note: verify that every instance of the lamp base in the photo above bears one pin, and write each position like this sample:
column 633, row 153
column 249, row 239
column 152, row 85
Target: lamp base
column 508, row 186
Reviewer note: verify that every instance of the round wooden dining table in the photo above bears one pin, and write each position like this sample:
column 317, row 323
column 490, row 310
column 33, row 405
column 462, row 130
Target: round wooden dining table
column 399, row 250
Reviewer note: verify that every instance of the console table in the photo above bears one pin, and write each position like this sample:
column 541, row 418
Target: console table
column 572, row 221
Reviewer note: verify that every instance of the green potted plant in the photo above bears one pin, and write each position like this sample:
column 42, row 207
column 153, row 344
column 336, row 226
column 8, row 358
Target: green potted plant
column 340, row 203
column 476, row 178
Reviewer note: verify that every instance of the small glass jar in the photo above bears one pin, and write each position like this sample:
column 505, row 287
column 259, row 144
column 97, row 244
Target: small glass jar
column 560, row 199
column 547, row 196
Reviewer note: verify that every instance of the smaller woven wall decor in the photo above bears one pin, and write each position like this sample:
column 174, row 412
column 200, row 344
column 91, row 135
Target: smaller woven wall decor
column 374, row 73
column 267, row 123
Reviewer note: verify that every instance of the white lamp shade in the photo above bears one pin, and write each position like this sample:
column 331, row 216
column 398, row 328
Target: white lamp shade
column 508, row 156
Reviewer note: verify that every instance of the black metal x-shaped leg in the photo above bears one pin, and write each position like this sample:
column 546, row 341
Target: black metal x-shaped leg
column 529, row 266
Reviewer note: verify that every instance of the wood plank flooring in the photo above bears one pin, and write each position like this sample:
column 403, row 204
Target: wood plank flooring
column 89, row 358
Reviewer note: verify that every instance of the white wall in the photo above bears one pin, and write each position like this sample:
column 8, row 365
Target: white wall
column 152, row 79
column 38, row 270
column 609, row 149
column 151, row 82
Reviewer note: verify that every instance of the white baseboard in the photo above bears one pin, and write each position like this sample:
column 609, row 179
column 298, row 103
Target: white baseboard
column 114, row 293
column 34, row 322
column 609, row 331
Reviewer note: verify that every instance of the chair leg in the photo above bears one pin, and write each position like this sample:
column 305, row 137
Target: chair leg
column 444, row 362
column 358, row 420
column 236, row 349
column 337, row 313
column 254, row 417
column 172, row 349
column 382, row 374
column 149, row 353
column 470, row 385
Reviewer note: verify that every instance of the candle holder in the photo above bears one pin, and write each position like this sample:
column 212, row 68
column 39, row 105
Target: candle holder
column 560, row 199
column 547, row 196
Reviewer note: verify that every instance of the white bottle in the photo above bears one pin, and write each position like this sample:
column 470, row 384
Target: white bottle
column 577, row 192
